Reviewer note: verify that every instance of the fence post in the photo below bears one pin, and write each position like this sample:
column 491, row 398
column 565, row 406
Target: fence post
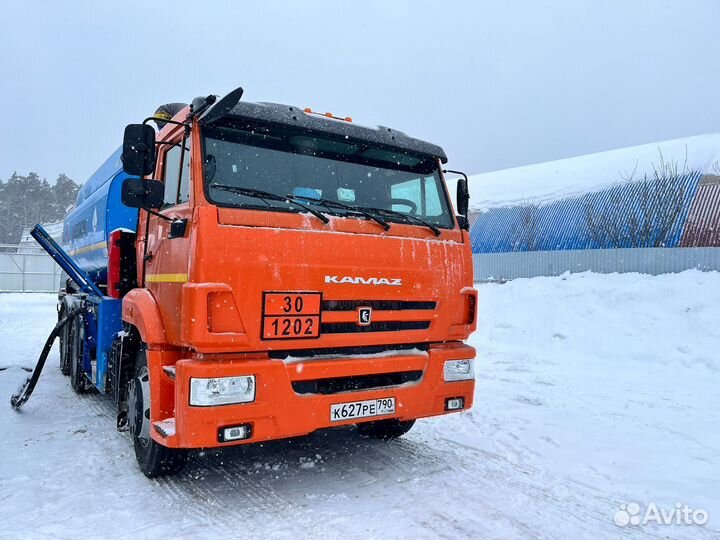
column 23, row 272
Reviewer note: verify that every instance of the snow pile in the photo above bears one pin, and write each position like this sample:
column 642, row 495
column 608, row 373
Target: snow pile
column 385, row 354
column 609, row 381
column 593, row 391
column 166, row 427
column 555, row 180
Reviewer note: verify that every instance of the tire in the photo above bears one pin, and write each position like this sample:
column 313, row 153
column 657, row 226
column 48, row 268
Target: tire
column 385, row 429
column 65, row 345
column 78, row 381
column 153, row 458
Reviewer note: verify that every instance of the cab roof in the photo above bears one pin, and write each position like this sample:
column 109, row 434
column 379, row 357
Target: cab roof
column 289, row 115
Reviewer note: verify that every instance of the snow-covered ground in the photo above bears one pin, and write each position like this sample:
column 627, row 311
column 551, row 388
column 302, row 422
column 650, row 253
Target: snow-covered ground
column 593, row 391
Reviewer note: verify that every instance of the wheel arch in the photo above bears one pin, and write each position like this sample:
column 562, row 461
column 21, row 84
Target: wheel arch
column 140, row 310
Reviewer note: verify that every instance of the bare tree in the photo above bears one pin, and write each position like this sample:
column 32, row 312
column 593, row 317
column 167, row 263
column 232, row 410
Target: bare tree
column 716, row 168
column 606, row 230
column 525, row 232
column 639, row 213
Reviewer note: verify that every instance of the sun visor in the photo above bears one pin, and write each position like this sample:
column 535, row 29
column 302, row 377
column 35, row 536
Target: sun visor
column 291, row 116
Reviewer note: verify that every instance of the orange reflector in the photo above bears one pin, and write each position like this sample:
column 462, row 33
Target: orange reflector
column 308, row 110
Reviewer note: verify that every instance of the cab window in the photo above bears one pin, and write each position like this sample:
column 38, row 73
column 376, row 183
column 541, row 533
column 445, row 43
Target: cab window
column 177, row 173
column 419, row 196
column 171, row 175
column 184, row 190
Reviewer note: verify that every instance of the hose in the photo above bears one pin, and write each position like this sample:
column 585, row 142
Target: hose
column 18, row 399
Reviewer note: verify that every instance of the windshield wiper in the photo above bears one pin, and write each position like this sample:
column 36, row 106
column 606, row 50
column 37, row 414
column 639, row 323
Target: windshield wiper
column 356, row 209
column 370, row 213
column 259, row 194
column 405, row 217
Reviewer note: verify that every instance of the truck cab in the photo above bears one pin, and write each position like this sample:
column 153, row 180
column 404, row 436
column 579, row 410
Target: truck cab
column 291, row 272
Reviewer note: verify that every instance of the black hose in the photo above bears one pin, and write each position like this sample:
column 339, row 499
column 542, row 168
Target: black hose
column 25, row 391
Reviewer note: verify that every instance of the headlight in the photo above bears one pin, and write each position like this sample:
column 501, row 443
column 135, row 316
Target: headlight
column 222, row 391
column 459, row 370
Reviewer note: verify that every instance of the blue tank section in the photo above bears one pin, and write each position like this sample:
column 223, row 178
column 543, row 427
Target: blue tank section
column 98, row 212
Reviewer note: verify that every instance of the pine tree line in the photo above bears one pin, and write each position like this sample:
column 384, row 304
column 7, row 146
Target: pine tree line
column 27, row 200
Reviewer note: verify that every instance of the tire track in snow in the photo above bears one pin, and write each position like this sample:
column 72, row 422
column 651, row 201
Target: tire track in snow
column 227, row 486
column 569, row 501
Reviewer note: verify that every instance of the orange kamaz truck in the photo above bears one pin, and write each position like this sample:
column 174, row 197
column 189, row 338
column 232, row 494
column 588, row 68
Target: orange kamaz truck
column 256, row 271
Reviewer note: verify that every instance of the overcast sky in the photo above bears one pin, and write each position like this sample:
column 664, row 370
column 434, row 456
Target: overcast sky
column 497, row 83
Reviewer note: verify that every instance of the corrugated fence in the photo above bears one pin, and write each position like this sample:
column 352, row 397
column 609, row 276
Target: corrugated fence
column 513, row 265
column 27, row 272
column 703, row 222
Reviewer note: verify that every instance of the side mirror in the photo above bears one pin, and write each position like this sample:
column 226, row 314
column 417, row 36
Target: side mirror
column 140, row 193
column 138, row 154
column 222, row 107
column 463, row 203
column 463, row 197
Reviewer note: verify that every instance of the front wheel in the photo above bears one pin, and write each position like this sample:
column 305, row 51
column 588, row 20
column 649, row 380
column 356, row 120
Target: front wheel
column 154, row 458
column 385, row 429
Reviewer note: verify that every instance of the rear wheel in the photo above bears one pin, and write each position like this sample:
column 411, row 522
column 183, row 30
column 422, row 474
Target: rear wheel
column 78, row 381
column 385, row 429
column 65, row 344
column 154, row 459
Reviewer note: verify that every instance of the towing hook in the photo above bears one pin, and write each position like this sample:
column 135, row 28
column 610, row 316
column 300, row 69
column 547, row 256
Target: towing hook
column 18, row 399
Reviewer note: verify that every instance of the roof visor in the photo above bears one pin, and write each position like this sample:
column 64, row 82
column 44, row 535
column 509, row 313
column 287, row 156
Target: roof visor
column 290, row 116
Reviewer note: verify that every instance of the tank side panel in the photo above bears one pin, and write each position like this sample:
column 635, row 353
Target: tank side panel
column 119, row 216
column 99, row 211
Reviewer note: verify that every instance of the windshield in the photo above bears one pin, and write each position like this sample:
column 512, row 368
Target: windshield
column 308, row 166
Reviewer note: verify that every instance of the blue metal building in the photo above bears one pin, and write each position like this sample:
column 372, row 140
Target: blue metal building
column 558, row 205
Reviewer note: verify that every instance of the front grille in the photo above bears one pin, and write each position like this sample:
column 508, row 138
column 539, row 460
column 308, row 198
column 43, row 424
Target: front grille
column 344, row 351
column 336, row 385
column 380, row 305
column 383, row 326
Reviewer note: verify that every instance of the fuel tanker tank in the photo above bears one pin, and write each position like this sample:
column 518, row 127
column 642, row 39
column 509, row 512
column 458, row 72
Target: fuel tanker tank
column 97, row 213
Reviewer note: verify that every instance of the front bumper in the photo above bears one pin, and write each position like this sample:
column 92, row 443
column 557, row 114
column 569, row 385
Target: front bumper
column 279, row 412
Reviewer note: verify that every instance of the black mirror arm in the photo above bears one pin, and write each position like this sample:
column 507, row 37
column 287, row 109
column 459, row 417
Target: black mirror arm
column 462, row 203
column 186, row 125
column 465, row 176
column 158, row 214
column 177, row 225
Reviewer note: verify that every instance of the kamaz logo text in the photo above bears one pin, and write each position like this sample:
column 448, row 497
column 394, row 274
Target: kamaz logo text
column 395, row 282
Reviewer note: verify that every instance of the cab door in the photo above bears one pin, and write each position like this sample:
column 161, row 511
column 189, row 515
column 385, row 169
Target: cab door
column 166, row 260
